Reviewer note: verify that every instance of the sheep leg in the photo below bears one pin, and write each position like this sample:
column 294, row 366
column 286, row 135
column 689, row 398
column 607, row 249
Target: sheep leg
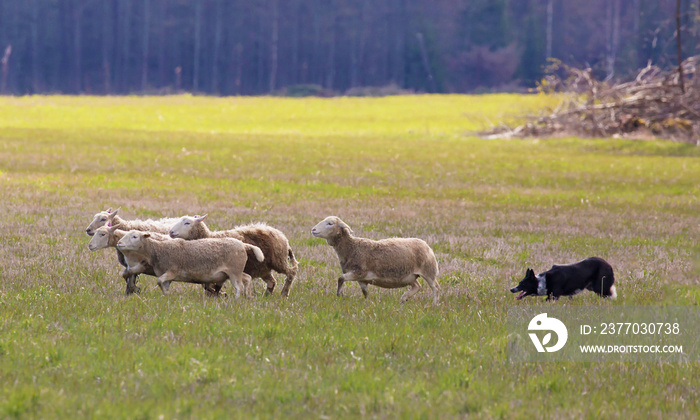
column 237, row 286
column 218, row 289
column 131, row 286
column 341, row 280
column 287, row 285
column 164, row 281
column 271, row 283
column 127, row 277
column 415, row 288
column 133, row 271
column 349, row 276
column 241, row 284
column 214, row 290
column 208, row 289
column 435, row 287
column 130, row 280
column 247, row 281
column 365, row 289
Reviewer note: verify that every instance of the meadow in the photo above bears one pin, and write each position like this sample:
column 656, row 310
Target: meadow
column 73, row 346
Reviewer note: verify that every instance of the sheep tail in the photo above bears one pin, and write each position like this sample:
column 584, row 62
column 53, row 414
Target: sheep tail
column 292, row 260
column 258, row 253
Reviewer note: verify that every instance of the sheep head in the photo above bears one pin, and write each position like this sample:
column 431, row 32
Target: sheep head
column 330, row 227
column 183, row 228
column 102, row 218
column 133, row 240
column 100, row 239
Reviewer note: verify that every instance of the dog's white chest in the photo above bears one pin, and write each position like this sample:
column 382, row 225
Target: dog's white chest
column 541, row 284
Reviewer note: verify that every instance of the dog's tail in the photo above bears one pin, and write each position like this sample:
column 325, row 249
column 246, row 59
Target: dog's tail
column 613, row 292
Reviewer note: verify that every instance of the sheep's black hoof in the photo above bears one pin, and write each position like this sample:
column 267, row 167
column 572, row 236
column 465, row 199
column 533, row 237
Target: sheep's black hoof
column 215, row 293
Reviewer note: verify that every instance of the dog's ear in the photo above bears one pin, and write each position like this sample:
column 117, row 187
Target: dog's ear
column 530, row 273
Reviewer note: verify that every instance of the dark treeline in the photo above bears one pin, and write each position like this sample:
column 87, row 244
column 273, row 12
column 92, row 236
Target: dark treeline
column 230, row 47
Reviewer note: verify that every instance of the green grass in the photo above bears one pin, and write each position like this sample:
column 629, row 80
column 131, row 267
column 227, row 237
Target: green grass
column 71, row 345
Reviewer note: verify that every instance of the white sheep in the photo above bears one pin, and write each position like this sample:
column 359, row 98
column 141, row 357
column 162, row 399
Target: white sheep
column 134, row 264
column 388, row 263
column 206, row 261
column 271, row 241
column 110, row 217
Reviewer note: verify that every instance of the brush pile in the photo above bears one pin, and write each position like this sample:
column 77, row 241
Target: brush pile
column 656, row 103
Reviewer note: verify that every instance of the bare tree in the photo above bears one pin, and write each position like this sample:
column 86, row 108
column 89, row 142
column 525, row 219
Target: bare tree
column 77, row 47
column 239, row 68
column 35, row 46
column 197, row 46
column 330, row 63
column 426, row 63
column 145, row 42
column 217, row 47
column 678, row 45
column 313, row 66
column 613, row 36
column 125, row 52
column 178, row 78
column 162, row 18
column 294, row 6
column 5, row 64
column 106, row 31
column 274, row 45
column 400, row 23
column 550, row 19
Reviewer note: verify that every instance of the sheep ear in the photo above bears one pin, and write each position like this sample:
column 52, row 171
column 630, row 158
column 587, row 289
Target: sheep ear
column 109, row 210
column 113, row 228
column 114, row 213
column 200, row 218
column 344, row 225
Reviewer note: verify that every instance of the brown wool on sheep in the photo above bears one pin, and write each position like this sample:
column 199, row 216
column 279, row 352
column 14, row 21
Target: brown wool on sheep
column 273, row 243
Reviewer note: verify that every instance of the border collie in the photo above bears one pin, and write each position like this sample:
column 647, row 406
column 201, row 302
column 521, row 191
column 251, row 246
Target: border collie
column 593, row 273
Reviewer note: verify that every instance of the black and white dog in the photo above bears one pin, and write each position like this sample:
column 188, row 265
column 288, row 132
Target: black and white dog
column 593, row 273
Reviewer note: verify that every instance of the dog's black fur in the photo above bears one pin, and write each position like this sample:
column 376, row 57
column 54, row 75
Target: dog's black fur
column 593, row 274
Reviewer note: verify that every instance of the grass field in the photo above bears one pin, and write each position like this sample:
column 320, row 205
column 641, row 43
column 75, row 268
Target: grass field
column 73, row 346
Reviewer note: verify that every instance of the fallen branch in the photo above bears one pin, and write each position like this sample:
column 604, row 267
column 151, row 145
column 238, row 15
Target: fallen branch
column 650, row 105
